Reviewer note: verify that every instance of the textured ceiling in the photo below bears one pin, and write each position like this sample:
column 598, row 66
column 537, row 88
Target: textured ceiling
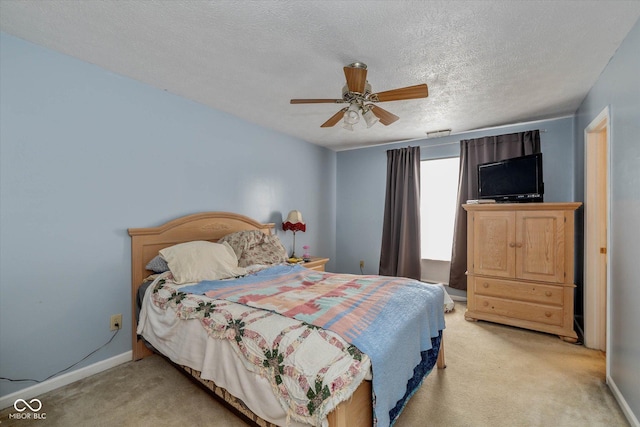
column 487, row 63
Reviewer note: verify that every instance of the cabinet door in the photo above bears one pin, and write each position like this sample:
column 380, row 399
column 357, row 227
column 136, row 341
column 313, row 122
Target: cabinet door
column 494, row 243
column 540, row 246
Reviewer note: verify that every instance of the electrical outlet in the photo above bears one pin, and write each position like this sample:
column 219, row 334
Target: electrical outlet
column 361, row 263
column 116, row 322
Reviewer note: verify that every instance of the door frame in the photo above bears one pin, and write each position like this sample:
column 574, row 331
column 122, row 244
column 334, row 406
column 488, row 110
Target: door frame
column 596, row 311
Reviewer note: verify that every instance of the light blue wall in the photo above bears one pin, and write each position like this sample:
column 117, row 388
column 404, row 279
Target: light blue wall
column 619, row 88
column 86, row 154
column 362, row 175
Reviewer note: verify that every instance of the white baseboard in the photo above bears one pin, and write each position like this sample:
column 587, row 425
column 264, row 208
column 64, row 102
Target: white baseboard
column 631, row 417
column 65, row 379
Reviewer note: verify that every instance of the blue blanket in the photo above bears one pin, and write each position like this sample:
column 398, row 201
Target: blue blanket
column 395, row 321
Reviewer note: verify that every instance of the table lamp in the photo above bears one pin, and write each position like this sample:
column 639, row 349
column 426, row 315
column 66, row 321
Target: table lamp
column 294, row 223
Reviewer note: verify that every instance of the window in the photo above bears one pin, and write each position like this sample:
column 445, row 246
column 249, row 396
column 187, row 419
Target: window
column 438, row 201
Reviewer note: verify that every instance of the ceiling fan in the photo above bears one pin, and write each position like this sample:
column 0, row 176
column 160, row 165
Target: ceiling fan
column 357, row 93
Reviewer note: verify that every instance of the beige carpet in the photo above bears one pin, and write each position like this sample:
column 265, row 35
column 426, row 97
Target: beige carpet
column 495, row 376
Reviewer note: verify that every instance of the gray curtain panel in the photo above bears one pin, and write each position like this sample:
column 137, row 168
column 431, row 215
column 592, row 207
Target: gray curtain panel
column 472, row 153
column 400, row 254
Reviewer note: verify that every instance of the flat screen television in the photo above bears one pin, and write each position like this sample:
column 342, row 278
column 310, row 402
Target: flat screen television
column 518, row 179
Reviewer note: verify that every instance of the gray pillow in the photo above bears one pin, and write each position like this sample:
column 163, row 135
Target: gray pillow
column 158, row 265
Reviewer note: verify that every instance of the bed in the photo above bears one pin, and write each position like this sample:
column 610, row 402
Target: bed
column 243, row 391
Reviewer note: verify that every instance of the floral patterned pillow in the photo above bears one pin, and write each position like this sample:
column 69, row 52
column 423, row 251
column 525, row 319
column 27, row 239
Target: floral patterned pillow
column 255, row 247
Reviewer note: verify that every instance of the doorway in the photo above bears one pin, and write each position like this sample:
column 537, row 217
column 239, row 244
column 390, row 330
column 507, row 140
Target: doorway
column 596, row 222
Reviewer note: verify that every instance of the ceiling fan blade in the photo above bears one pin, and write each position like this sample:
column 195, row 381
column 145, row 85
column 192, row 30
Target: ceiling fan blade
column 334, row 119
column 356, row 75
column 317, row 101
column 410, row 92
column 385, row 117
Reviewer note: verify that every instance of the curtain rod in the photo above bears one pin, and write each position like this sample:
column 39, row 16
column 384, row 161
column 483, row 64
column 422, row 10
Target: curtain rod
column 531, row 123
column 468, row 131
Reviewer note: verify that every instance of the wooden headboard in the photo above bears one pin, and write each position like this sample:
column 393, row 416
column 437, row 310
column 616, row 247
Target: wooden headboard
column 146, row 242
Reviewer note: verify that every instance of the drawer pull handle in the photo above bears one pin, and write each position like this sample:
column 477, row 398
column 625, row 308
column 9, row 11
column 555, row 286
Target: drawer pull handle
column 485, row 303
column 548, row 314
column 485, row 284
column 512, row 245
column 548, row 293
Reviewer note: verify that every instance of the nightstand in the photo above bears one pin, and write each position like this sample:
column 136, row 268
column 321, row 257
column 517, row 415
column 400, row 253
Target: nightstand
column 316, row 263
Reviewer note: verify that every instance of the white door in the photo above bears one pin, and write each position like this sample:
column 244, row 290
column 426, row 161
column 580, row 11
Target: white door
column 595, row 224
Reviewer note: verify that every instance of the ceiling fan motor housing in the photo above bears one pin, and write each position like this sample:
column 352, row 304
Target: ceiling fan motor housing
column 358, row 65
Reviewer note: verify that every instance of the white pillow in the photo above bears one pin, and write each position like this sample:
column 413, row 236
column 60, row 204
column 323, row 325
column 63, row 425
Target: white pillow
column 193, row 262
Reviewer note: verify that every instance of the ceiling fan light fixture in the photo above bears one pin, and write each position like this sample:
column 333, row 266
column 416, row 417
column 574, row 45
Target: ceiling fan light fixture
column 357, row 92
column 369, row 117
column 352, row 115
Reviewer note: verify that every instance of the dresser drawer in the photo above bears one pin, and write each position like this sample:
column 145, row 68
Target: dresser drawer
column 549, row 315
column 531, row 292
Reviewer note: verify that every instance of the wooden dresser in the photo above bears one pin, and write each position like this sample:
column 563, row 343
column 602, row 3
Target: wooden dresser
column 520, row 260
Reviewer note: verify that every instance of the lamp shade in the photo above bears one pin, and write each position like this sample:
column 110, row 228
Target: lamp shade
column 351, row 116
column 370, row 118
column 294, row 222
